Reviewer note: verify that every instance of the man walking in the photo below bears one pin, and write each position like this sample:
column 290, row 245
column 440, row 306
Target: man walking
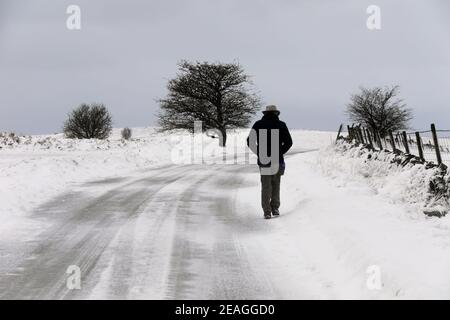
column 270, row 139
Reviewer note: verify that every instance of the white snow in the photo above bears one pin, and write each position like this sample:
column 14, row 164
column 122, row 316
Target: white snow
column 397, row 184
column 341, row 215
column 41, row 167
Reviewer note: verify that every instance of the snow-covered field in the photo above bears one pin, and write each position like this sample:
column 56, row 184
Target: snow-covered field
column 40, row 167
column 344, row 221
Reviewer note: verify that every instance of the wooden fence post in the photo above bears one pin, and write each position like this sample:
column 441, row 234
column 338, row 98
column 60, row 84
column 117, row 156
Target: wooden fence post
column 358, row 135
column 405, row 142
column 436, row 144
column 378, row 138
column 365, row 135
column 374, row 136
column 369, row 137
column 355, row 133
column 391, row 136
column 339, row 132
column 354, row 137
column 361, row 135
column 398, row 139
column 419, row 146
column 358, row 139
column 349, row 130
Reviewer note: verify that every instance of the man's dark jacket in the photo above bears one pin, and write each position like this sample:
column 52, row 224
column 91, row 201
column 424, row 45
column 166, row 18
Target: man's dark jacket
column 271, row 121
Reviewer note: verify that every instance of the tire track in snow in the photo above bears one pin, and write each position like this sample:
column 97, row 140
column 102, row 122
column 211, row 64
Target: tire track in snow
column 172, row 233
column 79, row 239
column 208, row 261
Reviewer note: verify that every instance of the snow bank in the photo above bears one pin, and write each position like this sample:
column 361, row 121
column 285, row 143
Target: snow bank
column 409, row 184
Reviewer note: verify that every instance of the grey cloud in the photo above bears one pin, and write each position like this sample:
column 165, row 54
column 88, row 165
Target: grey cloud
column 305, row 56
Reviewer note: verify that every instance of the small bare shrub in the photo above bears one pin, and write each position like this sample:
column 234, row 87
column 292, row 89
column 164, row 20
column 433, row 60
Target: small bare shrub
column 126, row 133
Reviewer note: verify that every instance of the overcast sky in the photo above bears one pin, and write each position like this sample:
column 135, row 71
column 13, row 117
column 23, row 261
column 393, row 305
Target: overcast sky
column 305, row 56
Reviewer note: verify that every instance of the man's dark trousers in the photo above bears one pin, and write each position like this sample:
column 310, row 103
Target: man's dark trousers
column 270, row 191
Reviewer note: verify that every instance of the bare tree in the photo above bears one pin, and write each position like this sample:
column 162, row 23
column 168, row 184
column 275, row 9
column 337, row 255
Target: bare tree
column 88, row 121
column 217, row 94
column 379, row 109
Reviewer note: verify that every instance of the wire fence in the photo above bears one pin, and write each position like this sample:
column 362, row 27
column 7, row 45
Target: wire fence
column 431, row 145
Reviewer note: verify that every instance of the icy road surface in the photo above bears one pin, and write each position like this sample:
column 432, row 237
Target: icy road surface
column 196, row 232
column 173, row 232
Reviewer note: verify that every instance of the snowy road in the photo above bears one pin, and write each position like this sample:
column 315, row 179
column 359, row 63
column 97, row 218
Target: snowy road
column 196, row 232
column 171, row 232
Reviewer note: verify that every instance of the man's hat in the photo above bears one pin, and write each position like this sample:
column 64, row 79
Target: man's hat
column 271, row 108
